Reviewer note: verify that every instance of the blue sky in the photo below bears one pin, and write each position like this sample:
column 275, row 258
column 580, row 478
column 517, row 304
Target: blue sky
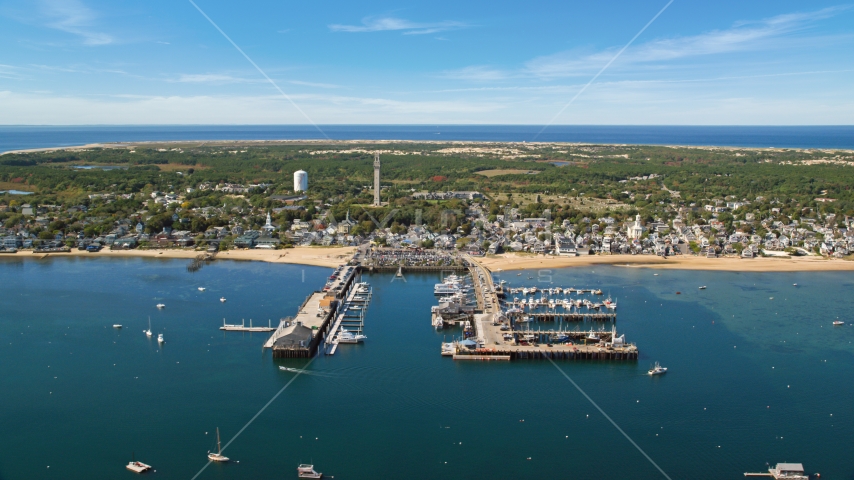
column 443, row 62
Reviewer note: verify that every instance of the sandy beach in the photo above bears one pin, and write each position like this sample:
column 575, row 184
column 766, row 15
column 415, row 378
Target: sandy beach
column 512, row 261
column 334, row 256
column 315, row 256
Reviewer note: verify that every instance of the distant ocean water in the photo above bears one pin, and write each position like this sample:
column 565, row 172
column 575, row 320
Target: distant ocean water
column 842, row 137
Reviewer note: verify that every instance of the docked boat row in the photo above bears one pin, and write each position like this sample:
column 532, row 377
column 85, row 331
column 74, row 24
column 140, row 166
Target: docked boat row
column 565, row 304
column 554, row 291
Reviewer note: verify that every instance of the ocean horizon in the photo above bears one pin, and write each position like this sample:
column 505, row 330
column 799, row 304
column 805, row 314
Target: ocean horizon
column 20, row 137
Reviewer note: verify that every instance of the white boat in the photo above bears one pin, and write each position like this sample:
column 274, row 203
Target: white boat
column 222, row 299
column 161, row 306
column 202, row 289
column 838, row 322
column 289, row 369
column 148, row 332
column 399, row 272
column 116, row 325
column 592, row 336
column 160, row 338
column 307, row 471
column 218, row 456
column 347, row 336
column 138, row 467
column 448, row 349
column 657, row 370
column 703, row 287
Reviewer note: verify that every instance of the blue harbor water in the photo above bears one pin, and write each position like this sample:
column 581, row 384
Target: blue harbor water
column 757, row 373
column 832, row 136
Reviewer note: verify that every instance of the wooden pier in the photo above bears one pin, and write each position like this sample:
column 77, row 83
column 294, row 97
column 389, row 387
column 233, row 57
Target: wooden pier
column 518, row 342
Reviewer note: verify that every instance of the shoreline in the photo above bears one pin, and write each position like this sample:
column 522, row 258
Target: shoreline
column 259, row 142
column 330, row 257
column 506, row 262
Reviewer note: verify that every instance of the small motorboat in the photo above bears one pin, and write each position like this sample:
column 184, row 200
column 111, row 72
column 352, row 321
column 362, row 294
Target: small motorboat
column 138, row 467
column 307, row 471
column 160, row 338
column 218, row 456
column 657, row 370
column 148, row 332
column 794, row 284
column 202, row 289
column 161, row 306
column 289, row 369
column 222, row 299
column 116, row 325
column 838, row 322
column 703, row 287
column 347, row 336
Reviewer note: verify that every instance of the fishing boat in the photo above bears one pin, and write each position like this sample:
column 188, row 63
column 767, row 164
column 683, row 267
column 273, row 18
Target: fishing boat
column 222, row 299
column 307, row 471
column 160, row 338
column 218, row 456
column 347, row 336
column 161, row 306
column 657, row 370
column 116, row 325
column 148, row 332
column 592, row 336
column 202, row 289
column 838, row 322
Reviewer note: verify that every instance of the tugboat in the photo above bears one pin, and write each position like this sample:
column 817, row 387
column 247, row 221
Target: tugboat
column 657, row 370
column 218, row 456
column 307, row 471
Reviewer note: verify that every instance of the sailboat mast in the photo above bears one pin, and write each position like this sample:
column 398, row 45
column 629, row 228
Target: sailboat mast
column 218, row 445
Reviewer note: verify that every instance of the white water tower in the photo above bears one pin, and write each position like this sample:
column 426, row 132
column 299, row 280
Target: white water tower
column 300, row 181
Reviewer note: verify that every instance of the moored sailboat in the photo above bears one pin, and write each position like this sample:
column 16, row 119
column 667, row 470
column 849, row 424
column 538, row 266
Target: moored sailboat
column 218, row 456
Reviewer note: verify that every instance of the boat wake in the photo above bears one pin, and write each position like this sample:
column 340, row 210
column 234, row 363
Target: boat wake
column 307, row 372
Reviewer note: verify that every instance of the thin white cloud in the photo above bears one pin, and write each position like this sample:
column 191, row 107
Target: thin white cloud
column 742, row 36
column 74, row 17
column 10, row 72
column 314, row 84
column 216, row 78
column 384, row 24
